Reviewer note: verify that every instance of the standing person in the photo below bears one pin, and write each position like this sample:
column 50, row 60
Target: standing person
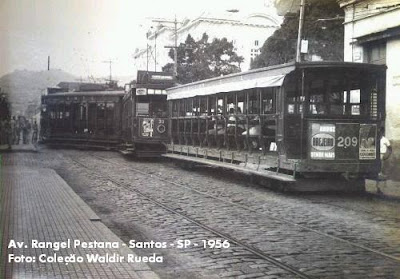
column 25, row 131
column 34, row 132
column 385, row 148
column 13, row 123
column 2, row 132
column 9, row 133
column 385, row 152
column 18, row 128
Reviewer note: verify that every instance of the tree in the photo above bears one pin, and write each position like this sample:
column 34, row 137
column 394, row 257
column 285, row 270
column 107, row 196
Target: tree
column 202, row 60
column 323, row 28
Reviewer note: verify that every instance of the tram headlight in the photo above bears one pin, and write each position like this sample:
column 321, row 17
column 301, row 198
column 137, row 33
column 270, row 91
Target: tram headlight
column 161, row 128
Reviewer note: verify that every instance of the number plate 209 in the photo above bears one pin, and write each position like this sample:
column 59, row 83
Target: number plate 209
column 347, row 145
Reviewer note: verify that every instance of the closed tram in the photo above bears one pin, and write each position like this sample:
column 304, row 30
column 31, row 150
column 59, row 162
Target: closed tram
column 89, row 117
column 308, row 125
column 133, row 120
column 145, row 114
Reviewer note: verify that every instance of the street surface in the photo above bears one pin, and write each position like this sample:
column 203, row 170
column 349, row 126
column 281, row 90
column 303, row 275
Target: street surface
column 266, row 234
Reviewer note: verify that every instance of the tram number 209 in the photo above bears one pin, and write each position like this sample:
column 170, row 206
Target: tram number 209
column 347, row 141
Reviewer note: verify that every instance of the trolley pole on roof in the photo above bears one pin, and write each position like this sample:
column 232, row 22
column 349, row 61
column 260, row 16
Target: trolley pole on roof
column 109, row 62
column 300, row 33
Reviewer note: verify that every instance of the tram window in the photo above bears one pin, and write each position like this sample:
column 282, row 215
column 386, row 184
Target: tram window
column 82, row 115
column 181, row 107
column 203, row 106
column 158, row 109
column 317, row 105
column 195, row 106
column 142, row 108
column 230, row 104
column 355, row 96
column 175, row 105
column 188, row 107
column 336, row 100
column 211, row 104
column 253, row 102
column 67, row 111
column 268, row 101
column 220, row 104
column 294, row 104
column 100, row 110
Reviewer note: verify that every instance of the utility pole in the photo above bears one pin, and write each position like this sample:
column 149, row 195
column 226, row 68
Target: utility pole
column 48, row 63
column 300, row 33
column 147, row 52
column 155, row 51
column 175, row 47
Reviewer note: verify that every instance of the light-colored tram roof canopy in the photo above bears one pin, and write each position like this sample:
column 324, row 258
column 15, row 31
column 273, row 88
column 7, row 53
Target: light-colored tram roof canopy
column 259, row 78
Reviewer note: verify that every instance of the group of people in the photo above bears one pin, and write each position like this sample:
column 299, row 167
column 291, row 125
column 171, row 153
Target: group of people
column 18, row 130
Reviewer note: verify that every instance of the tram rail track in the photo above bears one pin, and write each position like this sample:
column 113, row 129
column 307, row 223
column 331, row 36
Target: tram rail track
column 289, row 222
column 231, row 239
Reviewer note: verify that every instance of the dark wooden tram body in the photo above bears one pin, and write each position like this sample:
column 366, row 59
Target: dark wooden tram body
column 82, row 119
column 290, row 122
column 145, row 114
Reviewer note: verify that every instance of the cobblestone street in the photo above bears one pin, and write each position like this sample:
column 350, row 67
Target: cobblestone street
column 267, row 234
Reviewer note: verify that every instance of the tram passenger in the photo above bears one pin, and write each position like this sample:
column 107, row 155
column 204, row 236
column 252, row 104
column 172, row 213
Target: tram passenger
column 235, row 127
column 254, row 132
column 235, row 120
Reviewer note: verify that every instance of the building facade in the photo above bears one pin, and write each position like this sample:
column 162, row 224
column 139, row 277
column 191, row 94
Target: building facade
column 372, row 35
column 247, row 33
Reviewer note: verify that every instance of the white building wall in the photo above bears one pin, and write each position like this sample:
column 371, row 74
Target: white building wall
column 393, row 89
column 242, row 35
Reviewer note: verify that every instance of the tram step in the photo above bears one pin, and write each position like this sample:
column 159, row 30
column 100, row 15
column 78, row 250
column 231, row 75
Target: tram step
column 264, row 173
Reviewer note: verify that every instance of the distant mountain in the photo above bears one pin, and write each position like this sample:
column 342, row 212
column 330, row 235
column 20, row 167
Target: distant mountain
column 24, row 87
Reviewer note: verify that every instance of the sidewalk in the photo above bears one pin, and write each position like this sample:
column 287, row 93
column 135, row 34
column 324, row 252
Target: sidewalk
column 18, row 148
column 40, row 205
column 389, row 188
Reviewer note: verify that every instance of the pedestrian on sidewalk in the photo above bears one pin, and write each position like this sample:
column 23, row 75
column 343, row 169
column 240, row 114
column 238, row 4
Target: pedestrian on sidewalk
column 34, row 132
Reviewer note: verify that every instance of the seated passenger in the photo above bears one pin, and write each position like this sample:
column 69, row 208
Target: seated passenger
column 235, row 122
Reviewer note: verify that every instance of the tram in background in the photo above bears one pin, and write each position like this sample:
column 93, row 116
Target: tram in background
column 306, row 126
column 145, row 114
column 88, row 117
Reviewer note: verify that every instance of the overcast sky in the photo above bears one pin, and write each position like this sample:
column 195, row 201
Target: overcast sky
column 79, row 34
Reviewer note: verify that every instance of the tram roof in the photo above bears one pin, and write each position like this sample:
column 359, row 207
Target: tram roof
column 87, row 93
column 259, row 78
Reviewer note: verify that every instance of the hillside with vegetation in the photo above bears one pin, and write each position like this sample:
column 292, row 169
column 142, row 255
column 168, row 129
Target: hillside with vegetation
column 24, row 88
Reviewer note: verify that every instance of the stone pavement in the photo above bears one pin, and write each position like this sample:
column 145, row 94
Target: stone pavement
column 39, row 205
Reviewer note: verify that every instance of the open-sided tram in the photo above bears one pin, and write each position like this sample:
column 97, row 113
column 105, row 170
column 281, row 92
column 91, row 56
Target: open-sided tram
column 299, row 123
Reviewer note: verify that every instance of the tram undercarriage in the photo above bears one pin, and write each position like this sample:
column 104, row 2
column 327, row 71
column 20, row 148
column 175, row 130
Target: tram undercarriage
column 266, row 169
